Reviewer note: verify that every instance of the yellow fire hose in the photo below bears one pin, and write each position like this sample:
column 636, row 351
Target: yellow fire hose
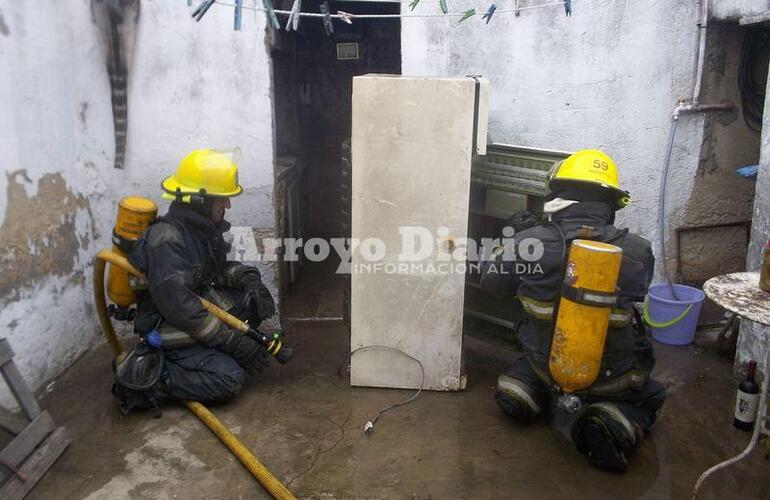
column 259, row 471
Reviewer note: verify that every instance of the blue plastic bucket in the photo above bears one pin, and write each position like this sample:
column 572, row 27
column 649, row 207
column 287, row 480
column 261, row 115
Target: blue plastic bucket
column 673, row 321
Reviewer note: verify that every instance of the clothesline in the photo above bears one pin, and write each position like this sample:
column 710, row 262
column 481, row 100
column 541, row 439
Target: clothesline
column 386, row 16
column 517, row 8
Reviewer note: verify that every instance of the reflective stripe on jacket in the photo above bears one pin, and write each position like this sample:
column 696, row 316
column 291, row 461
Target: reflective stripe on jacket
column 627, row 349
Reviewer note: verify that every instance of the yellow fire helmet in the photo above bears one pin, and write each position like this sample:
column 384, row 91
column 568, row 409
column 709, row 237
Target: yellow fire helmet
column 590, row 166
column 203, row 172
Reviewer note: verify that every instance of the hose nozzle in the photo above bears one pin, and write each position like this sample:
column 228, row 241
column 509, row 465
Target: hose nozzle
column 284, row 355
column 278, row 349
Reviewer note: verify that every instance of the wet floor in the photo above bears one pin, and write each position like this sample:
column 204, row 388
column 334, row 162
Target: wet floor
column 306, row 424
column 317, row 294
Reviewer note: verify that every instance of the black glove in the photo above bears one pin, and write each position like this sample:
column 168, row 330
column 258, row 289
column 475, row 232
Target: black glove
column 259, row 295
column 250, row 354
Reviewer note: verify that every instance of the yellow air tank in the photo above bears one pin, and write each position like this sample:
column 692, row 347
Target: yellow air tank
column 134, row 215
column 588, row 295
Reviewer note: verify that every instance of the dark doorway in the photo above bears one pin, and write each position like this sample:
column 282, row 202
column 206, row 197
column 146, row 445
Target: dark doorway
column 312, row 81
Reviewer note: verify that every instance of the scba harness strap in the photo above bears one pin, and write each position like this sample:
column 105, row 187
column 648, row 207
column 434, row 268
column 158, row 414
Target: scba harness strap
column 589, row 297
column 125, row 245
column 543, row 311
column 619, row 317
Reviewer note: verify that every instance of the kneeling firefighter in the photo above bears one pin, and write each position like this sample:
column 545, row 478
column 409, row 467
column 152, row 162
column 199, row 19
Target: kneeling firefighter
column 186, row 353
column 619, row 400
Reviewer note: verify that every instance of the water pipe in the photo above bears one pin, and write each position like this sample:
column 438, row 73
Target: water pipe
column 694, row 106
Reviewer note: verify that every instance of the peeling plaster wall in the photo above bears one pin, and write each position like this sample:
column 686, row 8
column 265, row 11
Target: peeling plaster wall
column 754, row 339
column 609, row 76
column 191, row 85
column 718, row 195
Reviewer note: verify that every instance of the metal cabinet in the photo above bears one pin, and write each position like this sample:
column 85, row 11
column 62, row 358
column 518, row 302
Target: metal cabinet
column 506, row 180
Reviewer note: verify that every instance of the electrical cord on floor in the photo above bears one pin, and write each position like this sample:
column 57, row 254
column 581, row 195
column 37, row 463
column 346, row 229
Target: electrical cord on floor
column 369, row 426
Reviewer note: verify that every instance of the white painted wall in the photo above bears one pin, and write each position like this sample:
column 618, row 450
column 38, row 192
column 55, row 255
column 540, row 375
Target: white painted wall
column 609, row 76
column 191, row 85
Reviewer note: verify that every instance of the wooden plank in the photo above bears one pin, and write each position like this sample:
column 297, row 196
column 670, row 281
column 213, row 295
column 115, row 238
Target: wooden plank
column 6, row 353
column 10, row 422
column 36, row 466
column 20, row 390
column 24, row 444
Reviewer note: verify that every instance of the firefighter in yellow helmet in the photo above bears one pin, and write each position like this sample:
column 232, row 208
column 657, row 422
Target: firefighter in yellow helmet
column 183, row 255
column 621, row 405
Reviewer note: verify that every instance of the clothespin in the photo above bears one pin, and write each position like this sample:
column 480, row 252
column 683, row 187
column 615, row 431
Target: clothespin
column 189, row 3
column 293, row 22
column 490, row 13
column 204, row 7
column 468, row 13
column 442, row 5
column 272, row 19
column 328, row 24
column 237, row 15
column 345, row 16
column 413, row 4
column 516, row 10
column 568, row 7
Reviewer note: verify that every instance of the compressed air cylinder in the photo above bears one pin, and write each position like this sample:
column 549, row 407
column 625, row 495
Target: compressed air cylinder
column 588, row 295
column 134, row 215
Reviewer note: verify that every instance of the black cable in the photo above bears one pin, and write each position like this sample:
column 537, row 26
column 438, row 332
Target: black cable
column 752, row 75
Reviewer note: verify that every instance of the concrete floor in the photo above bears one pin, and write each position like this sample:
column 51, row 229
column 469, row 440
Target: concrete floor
column 305, row 423
column 317, row 293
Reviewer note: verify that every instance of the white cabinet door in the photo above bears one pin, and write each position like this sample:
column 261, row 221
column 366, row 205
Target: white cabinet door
column 412, row 145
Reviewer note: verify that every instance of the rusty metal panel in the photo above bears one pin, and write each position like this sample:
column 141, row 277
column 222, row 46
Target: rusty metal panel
column 515, row 168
